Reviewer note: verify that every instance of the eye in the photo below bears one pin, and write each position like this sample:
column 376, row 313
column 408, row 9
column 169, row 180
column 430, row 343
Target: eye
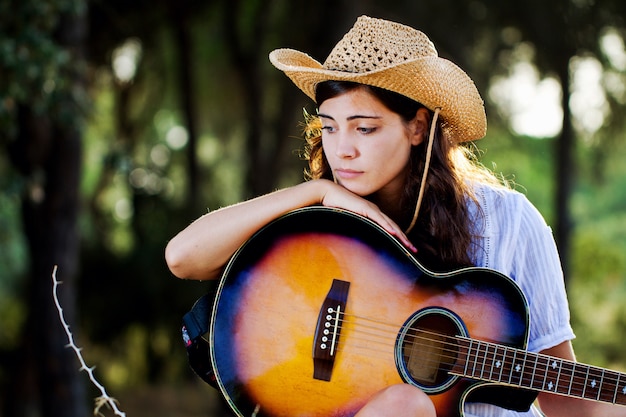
column 328, row 129
column 366, row 130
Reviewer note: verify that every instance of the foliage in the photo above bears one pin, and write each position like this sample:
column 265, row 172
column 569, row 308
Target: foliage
column 597, row 296
column 524, row 162
column 13, row 259
column 32, row 63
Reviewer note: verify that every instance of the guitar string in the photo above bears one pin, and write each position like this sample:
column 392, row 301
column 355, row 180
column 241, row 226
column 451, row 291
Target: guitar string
column 578, row 382
column 578, row 378
column 376, row 334
column 379, row 339
column 393, row 330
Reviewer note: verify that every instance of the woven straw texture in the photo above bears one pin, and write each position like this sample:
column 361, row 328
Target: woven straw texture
column 399, row 58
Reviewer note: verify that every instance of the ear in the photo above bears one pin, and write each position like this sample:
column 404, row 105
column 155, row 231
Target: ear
column 419, row 126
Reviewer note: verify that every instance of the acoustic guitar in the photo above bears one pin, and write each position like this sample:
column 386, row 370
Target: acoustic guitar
column 322, row 308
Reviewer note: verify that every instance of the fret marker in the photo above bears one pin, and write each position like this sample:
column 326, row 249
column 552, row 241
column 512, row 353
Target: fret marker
column 499, row 364
column 624, row 390
column 518, row 368
column 554, row 365
column 593, row 383
column 550, row 385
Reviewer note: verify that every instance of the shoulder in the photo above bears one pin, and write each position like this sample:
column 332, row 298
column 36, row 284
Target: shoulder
column 500, row 197
column 506, row 224
column 505, row 207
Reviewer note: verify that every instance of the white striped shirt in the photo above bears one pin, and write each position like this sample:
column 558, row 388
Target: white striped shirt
column 516, row 241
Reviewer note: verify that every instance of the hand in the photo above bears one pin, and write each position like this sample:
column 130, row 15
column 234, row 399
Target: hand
column 339, row 197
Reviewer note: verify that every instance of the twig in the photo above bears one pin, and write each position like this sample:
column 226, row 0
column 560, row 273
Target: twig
column 104, row 398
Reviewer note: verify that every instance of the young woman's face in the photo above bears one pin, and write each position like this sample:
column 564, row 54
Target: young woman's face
column 367, row 145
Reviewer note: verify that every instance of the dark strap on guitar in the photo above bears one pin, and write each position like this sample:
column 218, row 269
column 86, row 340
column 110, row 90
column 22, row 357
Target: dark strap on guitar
column 195, row 326
column 516, row 399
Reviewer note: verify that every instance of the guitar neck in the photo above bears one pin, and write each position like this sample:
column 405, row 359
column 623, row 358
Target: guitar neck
column 491, row 362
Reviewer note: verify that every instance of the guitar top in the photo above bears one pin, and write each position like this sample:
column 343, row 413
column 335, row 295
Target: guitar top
column 322, row 308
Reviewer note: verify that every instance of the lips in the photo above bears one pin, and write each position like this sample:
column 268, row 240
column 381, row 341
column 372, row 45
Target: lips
column 347, row 174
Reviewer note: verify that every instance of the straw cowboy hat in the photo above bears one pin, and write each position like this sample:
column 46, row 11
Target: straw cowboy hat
column 399, row 58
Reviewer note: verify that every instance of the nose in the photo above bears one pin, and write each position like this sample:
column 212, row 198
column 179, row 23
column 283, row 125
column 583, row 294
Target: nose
column 346, row 148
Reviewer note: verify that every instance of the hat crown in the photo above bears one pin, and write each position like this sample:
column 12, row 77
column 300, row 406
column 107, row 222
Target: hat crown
column 374, row 44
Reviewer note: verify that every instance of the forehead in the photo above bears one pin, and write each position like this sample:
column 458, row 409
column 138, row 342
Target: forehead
column 355, row 102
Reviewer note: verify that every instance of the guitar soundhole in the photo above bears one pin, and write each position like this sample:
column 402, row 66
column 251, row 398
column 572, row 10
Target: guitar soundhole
column 429, row 350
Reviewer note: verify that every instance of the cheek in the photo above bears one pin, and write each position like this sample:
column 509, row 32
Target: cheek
column 397, row 165
column 391, row 164
column 327, row 151
column 396, row 157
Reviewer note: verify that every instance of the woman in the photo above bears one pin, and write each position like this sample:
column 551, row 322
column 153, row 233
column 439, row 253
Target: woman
column 387, row 143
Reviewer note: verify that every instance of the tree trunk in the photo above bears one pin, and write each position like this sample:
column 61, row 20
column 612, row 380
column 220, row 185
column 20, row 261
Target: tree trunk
column 565, row 169
column 47, row 152
column 181, row 23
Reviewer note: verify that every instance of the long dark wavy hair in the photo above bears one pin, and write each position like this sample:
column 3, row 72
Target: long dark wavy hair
column 444, row 228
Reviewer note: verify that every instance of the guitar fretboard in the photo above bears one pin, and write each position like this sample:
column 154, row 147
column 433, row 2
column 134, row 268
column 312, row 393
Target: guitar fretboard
column 505, row 365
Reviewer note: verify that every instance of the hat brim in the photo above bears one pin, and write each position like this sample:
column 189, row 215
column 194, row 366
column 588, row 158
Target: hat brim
column 432, row 81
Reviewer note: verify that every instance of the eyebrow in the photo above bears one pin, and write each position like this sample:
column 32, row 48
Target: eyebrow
column 356, row 116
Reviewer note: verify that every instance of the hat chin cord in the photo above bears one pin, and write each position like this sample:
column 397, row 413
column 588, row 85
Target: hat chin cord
column 429, row 151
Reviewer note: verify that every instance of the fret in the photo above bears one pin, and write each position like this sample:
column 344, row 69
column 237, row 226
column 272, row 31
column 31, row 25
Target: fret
column 562, row 382
column 558, row 377
column 601, row 385
column 579, row 381
column 517, row 370
column 473, row 374
column 460, row 364
column 529, row 370
column 585, row 383
column 485, row 358
column 552, row 374
column 523, row 369
column 507, row 360
column 565, row 384
column 620, row 391
column 616, row 388
column 510, row 368
column 610, row 385
column 502, row 364
column 490, row 358
column 467, row 360
column 497, row 364
column 525, row 374
column 540, row 373
column 532, row 379
column 593, row 381
column 493, row 361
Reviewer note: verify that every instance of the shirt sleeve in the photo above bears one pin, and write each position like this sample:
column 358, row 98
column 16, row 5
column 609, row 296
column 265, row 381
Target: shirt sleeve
column 517, row 242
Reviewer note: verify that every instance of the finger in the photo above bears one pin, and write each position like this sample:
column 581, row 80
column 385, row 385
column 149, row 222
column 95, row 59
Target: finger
column 392, row 228
column 398, row 233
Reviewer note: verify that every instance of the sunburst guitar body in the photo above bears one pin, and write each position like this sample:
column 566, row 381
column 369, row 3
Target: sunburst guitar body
column 322, row 309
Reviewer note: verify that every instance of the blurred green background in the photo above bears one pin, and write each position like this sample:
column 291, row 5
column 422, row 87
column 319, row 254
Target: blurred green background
column 122, row 121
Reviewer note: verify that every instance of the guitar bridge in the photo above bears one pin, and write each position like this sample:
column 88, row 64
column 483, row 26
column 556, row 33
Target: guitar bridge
column 328, row 329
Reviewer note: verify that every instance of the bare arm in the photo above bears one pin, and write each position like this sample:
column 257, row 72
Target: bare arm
column 201, row 250
column 559, row 406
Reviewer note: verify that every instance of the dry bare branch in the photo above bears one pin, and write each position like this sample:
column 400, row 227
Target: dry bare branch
column 104, row 399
